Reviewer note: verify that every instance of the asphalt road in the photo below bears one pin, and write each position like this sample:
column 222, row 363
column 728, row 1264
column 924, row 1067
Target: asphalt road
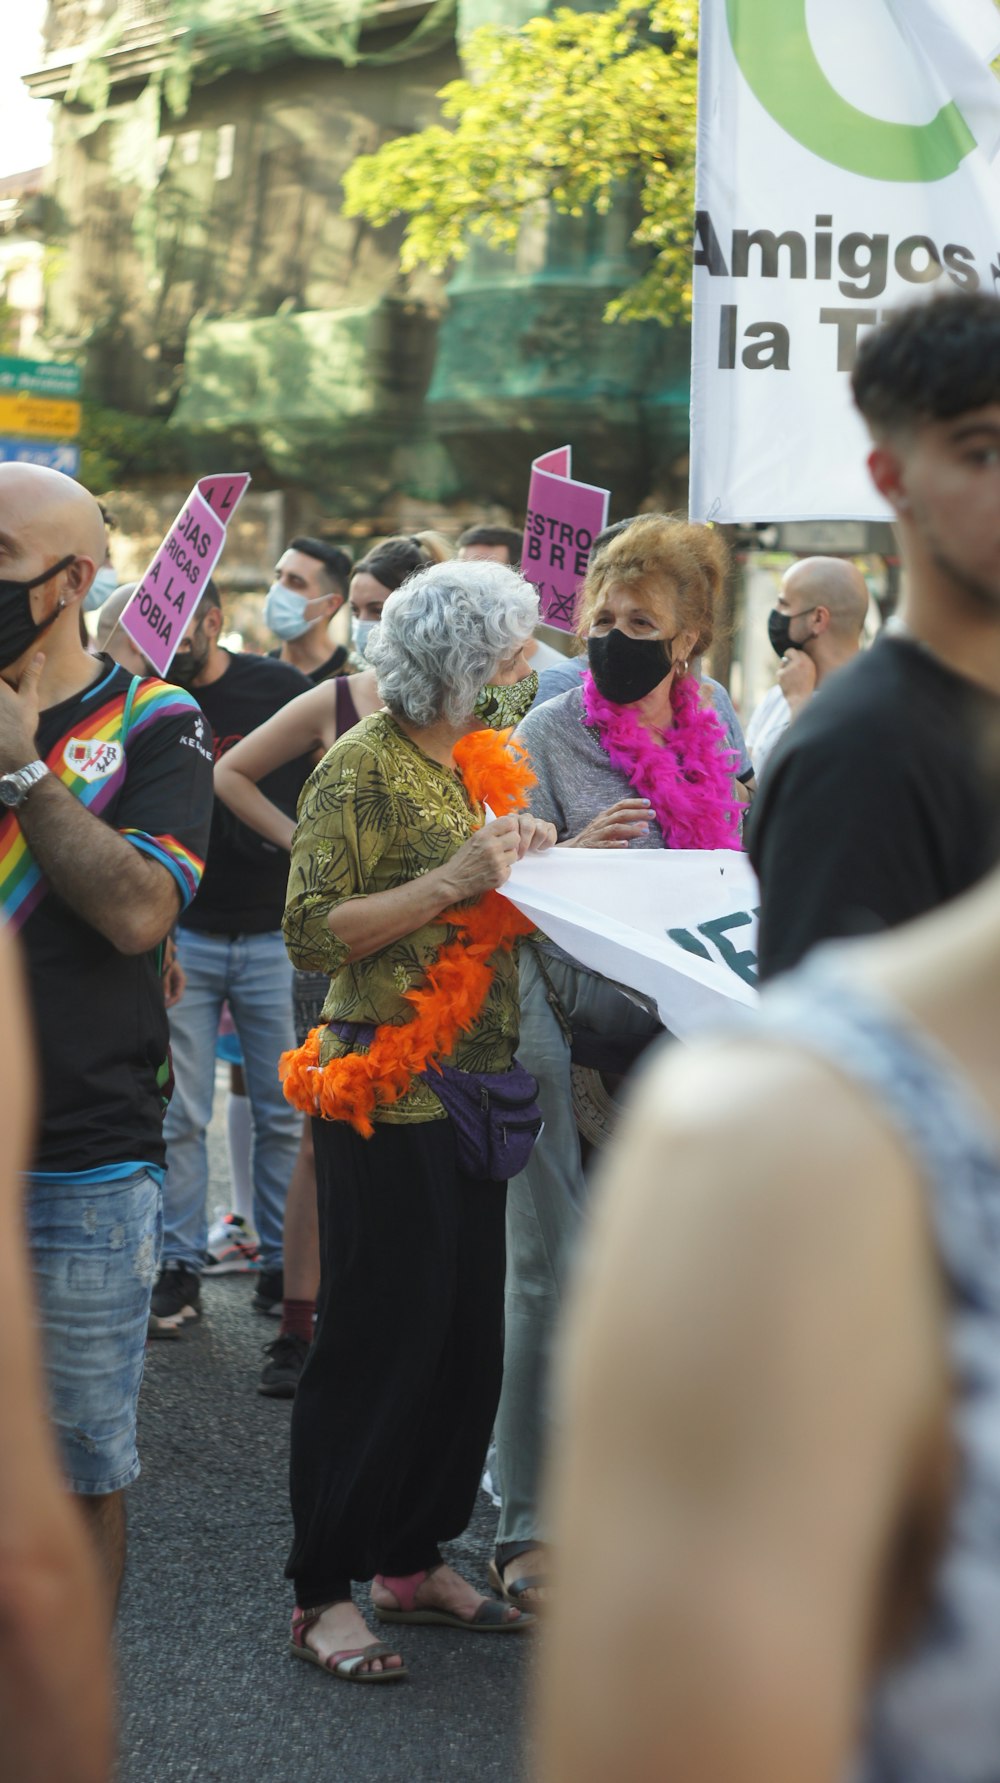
column 208, row 1690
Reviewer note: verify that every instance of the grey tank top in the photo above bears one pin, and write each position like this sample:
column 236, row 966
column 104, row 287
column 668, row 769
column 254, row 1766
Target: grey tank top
column 934, row 1716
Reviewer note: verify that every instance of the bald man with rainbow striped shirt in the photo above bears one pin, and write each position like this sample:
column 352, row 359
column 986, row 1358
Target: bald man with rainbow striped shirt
column 105, row 809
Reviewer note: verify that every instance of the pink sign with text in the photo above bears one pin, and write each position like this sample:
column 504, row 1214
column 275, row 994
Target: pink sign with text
column 563, row 519
column 224, row 494
column 167, row 594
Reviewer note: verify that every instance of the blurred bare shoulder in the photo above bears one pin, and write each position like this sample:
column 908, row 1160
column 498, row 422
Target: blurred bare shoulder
column 749, row 1137
column 753, row 1367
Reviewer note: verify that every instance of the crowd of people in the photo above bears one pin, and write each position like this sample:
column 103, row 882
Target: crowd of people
column 770, row 1420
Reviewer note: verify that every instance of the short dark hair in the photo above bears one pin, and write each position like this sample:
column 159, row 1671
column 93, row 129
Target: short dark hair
column 391, row 562
column 495, row 535
column 611, row 532
column 336, row 563
column 930, row 362
column 209, row 597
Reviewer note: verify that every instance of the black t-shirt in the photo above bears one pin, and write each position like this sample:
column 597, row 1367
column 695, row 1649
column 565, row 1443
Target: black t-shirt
column 332, row 665
column 100, row 1024
column 243, row 890
column 879, row 803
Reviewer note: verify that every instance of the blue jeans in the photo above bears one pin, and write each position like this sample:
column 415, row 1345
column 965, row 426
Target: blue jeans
column 94, row 1250
column 254, row 973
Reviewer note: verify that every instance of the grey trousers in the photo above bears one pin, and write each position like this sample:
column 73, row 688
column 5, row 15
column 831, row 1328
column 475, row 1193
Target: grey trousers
column 544, row 1211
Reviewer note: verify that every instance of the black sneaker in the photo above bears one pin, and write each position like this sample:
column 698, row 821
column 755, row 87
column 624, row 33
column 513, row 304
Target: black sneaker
column 280, row 1376
column 270, row 1292
column 176, row 1300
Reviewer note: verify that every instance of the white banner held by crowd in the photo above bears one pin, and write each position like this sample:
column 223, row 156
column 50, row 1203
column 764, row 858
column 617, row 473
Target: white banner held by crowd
column 846, row 164
column 678, row 925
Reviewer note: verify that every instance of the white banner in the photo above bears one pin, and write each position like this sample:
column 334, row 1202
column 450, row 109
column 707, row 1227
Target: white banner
column 678, row 925
column 846, row 163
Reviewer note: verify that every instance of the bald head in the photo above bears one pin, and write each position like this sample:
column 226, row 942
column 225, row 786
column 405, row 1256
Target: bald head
column 835, row 584
column 51, row 535
column 50, row 514
column 117, row 644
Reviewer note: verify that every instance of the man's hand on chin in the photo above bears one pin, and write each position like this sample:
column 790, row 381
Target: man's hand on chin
column 19, row 716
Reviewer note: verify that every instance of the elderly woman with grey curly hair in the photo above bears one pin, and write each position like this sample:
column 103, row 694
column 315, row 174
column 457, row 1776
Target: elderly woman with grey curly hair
column 420, row 1111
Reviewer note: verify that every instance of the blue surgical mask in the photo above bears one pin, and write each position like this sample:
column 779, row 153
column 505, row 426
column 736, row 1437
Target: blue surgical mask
column 361, row 631
column 104, row 584
column 285, row 613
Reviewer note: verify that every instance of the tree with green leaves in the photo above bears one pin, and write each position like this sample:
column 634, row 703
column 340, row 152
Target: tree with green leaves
column 573, row 109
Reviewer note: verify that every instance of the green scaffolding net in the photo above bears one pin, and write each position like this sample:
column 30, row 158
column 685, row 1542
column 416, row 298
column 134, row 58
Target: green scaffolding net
column 205, row 39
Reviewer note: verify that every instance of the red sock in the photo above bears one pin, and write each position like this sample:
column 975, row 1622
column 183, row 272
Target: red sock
column 297, row 1319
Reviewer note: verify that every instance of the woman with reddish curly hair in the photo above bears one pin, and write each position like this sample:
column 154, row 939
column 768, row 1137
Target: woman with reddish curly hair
column 635, row 757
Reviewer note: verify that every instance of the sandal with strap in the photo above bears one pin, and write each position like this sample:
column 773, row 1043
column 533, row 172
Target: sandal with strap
column 490, row 1618
column 349, row 1662
column 518, row 1588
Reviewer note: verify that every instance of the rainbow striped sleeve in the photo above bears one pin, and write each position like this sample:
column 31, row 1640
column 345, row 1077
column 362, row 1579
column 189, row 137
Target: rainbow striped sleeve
column 158, row 699
column 186, row 867
column 91, row 763
column 22, row 884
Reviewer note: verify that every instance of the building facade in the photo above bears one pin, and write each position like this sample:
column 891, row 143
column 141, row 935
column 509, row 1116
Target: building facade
column 22, row 262
column 205, row 272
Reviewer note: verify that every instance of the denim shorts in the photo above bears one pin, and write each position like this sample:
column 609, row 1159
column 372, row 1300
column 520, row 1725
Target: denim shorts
column 95, row 1249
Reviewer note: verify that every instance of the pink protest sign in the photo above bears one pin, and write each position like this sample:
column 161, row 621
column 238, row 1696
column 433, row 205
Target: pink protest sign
column 563, row 519
column 168, row 593
column 559, row 462
column 224, row 494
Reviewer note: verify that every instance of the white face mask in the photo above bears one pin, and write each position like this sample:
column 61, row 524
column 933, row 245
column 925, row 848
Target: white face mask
column 361, row 631
column 104, row 584
column 285, row 613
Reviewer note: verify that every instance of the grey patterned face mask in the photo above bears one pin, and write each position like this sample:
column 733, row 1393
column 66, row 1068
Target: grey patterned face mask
column 501, row 708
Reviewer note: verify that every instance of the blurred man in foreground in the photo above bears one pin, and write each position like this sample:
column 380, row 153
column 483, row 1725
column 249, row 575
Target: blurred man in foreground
column 55, row 1719
column 877, row 805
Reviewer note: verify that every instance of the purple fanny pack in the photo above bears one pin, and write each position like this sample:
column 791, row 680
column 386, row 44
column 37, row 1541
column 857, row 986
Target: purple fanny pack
column 495, row 1113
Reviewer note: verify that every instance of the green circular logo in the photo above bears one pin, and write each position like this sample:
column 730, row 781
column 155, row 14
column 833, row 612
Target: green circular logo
column 772, row 45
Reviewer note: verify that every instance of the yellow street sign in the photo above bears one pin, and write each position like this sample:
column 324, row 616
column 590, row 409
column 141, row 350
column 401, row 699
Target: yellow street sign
column 39, row 417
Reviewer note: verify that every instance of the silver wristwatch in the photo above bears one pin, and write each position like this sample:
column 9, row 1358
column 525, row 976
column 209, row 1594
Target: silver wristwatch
column 14, row 788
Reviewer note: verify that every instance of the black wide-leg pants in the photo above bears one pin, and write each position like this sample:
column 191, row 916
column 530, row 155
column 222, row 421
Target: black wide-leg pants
column 395, row 1405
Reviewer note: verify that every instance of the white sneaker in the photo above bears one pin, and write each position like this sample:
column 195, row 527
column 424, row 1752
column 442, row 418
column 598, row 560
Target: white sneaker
column 233, row 1247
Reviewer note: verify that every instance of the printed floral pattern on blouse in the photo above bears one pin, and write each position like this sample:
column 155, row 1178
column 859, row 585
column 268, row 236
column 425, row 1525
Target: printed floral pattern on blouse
column 376, row 813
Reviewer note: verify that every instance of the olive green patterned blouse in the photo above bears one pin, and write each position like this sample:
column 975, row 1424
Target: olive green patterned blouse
column 376, row 813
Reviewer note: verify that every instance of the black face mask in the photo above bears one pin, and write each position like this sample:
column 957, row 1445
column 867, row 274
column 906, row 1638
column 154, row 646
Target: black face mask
column 18, row 630
column 779, row 629
column 188, row 664
column 626, row 669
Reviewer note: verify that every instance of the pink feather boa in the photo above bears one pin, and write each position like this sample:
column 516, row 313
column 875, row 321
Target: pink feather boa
column 686, row 774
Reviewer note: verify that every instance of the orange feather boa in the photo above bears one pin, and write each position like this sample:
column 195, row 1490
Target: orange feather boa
column 496, row 773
